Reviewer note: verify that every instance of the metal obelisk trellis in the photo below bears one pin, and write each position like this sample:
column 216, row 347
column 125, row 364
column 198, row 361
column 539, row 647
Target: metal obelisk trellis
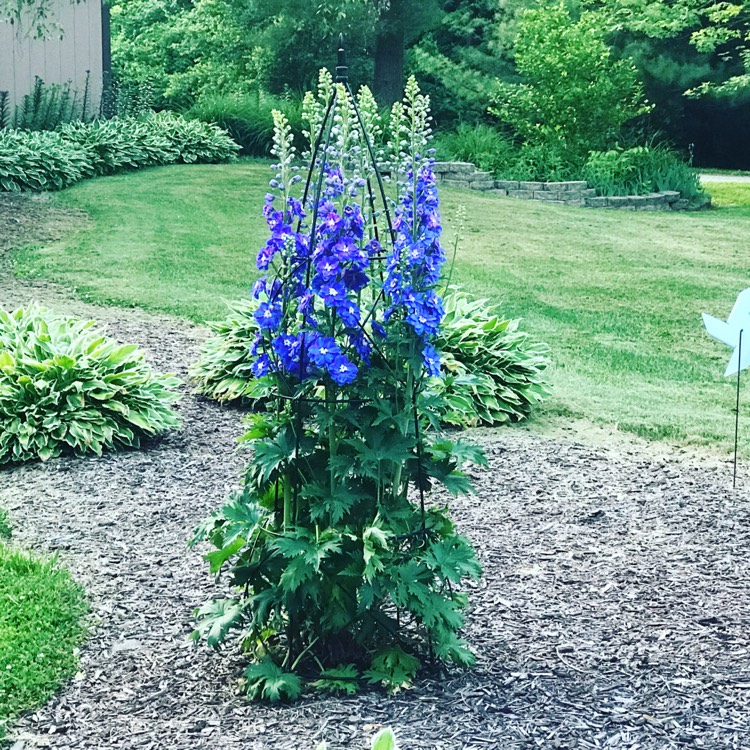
column 312, row 194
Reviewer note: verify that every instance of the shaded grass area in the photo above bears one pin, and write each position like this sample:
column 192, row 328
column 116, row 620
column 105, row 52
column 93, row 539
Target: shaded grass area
column 40, row 627
column 617, row 295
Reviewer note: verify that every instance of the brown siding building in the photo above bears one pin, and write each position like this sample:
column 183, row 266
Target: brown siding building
column 83, row 45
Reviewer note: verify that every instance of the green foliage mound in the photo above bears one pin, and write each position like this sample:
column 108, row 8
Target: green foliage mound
column 641, row 170
column 494, row 374
column 248, row 118
column 40, row 627
column 66, row 387
column 487, row 147
column 574, row 95
column 39, row 161
column 223, row 371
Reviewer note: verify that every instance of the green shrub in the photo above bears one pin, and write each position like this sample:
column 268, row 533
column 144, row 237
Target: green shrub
column 40, row 161
column 223, row 370
column 54, row 160
column 190, row 141
column 110, row 145
column 66, row 387
column 248, row 119
column 574, row 94
column 487, row 147
column 641, row 170
column 493, row 373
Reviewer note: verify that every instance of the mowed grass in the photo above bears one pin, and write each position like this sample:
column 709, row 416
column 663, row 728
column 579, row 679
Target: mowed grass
column 41, row 608
column 616, row 295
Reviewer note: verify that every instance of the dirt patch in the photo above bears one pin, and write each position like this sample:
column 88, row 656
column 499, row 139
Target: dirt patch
column 31, row 218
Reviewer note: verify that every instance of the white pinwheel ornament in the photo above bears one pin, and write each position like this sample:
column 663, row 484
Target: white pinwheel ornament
column 734, row 332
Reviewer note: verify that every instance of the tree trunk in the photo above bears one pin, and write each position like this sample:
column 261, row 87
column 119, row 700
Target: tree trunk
column 389, row 64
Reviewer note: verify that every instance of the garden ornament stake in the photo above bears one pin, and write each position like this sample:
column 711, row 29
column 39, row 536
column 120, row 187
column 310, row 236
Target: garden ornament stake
column 730, row 332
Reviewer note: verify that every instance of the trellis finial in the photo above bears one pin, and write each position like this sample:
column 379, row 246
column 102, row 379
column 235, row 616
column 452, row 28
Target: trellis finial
column 342, row 69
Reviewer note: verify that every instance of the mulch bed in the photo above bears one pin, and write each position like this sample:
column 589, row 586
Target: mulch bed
column 614, row 611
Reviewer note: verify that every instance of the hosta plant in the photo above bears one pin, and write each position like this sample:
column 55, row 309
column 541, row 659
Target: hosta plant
column 342, row 572
column 492, row 373
column 65, row 387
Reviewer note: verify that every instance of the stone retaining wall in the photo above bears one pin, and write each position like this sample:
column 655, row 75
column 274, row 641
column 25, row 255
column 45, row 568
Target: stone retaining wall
column 572, row 193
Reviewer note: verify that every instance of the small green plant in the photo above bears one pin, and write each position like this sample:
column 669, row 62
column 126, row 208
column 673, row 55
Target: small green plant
column 6, row 530
column 41, row 609
column 641, row 170
column 383, row 740
column 66, row 387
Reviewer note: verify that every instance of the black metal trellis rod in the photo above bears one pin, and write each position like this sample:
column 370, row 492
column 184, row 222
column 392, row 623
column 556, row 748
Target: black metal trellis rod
column 737, row 410
column 318, row 157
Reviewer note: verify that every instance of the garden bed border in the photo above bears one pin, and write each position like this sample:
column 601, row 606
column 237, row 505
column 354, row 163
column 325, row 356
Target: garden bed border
column 571, row 193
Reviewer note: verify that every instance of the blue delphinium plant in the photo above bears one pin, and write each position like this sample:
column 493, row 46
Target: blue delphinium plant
column 342, row 572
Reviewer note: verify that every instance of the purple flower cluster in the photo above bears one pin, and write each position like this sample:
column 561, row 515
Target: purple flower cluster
column 416, row 260
column 309, row 315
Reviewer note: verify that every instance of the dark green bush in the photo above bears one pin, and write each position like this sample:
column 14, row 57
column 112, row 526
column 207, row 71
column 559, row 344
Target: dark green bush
column 66, row 387
column 248, row 119
column 54, row 160
column 493, row 373
column 641, row 170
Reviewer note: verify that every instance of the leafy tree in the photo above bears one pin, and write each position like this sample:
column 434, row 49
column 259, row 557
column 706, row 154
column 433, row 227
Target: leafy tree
column 574, row 96
column 459, row 61
column 718, row 32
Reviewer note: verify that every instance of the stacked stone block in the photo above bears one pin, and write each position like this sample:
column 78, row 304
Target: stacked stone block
column 571, row 193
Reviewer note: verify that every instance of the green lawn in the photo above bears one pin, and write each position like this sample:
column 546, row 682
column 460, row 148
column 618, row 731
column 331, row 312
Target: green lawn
column 40, row 626
column 617, row 295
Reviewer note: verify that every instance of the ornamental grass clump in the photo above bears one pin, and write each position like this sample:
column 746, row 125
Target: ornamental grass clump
column 65, row 387
column 342, row 572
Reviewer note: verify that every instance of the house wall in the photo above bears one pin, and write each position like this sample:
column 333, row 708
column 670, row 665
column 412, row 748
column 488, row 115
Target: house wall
column 55, row 60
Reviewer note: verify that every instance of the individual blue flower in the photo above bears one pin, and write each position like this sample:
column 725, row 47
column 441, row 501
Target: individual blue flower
column 431, row 360
column 349, row 313
column 268, row 315
column 328, row 268
column 331, row 292
column 261, row 366
column 324, row 351
column 287, row 349
column 342, row 371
